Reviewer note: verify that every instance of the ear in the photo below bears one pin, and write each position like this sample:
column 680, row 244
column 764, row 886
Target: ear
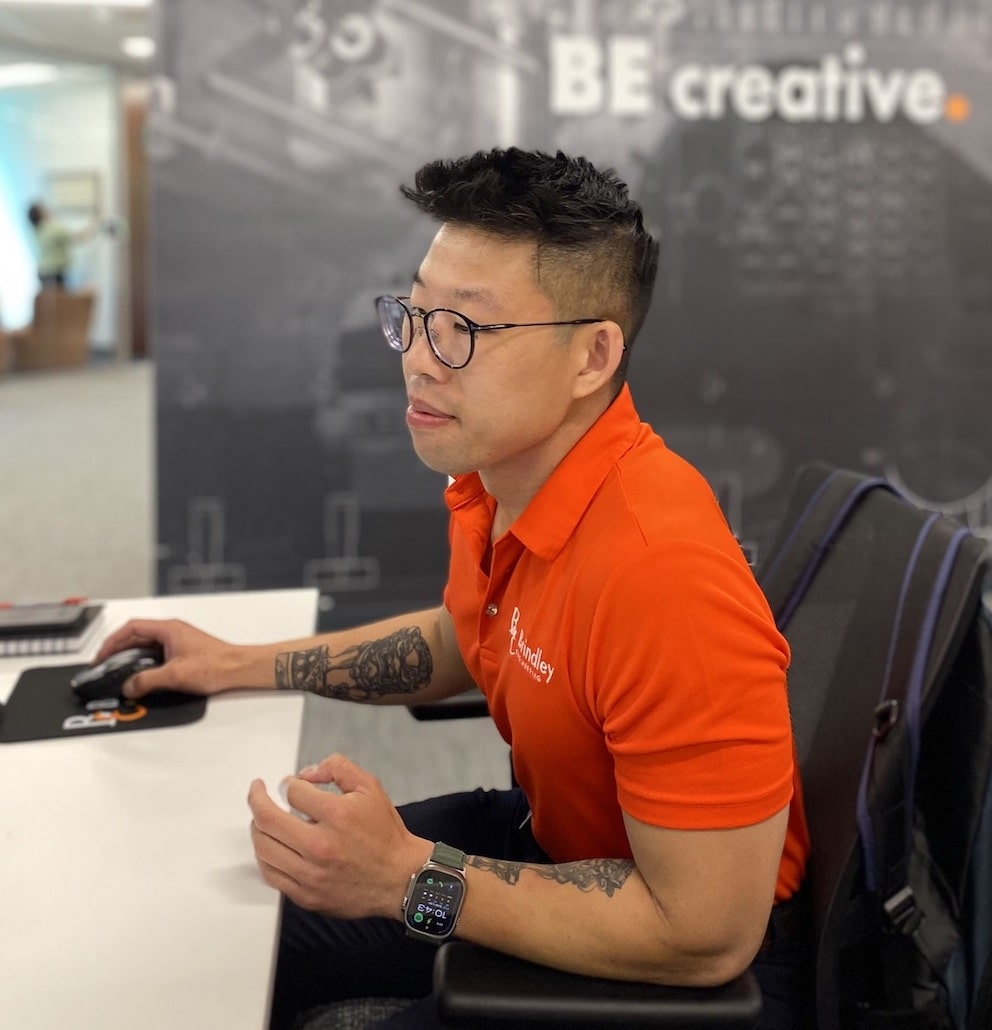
column 601, row 351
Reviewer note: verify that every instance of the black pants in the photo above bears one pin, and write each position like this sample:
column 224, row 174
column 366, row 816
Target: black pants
column 323, row 960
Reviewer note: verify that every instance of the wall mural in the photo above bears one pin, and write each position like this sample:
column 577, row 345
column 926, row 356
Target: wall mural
column 820, row 174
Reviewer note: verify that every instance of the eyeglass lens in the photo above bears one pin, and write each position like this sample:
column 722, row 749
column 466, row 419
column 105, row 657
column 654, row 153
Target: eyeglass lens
column 449, row 334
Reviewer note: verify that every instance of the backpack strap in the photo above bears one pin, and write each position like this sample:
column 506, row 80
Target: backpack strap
column 823, row 499
column 904, row 699
column 919, row 920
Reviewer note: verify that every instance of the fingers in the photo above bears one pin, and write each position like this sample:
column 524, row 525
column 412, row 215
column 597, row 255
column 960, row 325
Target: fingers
column 143, row 683
column 263, row 807
column 342, row 771
column 280, row 842
column 307, row 799
column 273, row 822
column 307, row 795
column 136, row 633
column 276, row 878
column 279, row 865
column 322, row 772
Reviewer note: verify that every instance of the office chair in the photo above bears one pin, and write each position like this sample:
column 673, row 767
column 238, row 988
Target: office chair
column 839, row 623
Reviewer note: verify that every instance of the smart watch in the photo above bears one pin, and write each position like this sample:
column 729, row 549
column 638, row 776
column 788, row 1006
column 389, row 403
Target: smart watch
column 435, row 895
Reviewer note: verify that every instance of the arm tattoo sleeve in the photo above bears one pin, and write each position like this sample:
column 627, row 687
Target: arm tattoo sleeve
column 605, row 874
column 398, row 664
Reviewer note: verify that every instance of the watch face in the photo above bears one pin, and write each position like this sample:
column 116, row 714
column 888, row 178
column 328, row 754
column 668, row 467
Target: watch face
column 434, row 903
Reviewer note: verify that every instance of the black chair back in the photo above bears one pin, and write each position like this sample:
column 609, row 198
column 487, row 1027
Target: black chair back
column 876, row 597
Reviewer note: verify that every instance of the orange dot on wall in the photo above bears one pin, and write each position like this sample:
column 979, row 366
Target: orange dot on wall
column 957, row 107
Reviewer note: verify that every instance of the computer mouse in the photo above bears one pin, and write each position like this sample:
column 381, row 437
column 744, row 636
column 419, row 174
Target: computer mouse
column 106, row 679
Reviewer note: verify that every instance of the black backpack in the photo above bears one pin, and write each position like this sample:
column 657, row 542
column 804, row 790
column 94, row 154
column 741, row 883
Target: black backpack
column 891, row 698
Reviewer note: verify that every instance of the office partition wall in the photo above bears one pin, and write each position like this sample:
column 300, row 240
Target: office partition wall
column 820, row 175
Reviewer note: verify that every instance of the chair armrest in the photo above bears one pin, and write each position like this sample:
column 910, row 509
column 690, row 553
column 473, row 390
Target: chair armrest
column 468, row 704
column 476, row 987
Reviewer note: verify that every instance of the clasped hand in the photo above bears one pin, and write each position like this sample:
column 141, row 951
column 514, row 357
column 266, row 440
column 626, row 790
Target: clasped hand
column 349, row 856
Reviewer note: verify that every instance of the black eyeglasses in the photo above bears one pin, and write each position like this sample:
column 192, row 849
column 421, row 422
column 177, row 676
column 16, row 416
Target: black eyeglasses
column 450, row 334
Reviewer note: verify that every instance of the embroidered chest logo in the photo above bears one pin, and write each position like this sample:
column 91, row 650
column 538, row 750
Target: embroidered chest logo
column 530, row 657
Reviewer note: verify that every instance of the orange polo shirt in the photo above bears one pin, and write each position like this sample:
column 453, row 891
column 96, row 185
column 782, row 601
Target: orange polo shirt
column 628, row 657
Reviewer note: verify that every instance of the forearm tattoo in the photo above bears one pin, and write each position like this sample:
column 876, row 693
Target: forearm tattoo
column 398, row 664
column 605, row 874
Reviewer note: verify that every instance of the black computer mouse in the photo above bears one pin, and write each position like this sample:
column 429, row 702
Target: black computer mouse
column 105, row 680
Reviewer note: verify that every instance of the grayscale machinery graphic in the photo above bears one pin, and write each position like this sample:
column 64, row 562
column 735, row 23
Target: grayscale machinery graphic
column 826, row 270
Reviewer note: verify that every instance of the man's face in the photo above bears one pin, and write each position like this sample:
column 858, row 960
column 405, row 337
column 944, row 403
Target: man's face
column 502, row 414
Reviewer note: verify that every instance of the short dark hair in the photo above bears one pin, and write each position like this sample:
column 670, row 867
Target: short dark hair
column 36, row 214
column 595, row 259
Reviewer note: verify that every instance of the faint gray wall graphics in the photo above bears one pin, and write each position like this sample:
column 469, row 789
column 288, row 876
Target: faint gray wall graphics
column 974, row 510
column 343, row 569
column 205, row 570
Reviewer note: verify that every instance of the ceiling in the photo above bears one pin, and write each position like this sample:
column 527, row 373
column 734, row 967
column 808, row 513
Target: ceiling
column 77, row 32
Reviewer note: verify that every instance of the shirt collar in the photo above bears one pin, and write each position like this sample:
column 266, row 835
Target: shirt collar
column 550, row 518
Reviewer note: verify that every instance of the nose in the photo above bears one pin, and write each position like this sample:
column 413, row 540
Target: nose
column 419, row 358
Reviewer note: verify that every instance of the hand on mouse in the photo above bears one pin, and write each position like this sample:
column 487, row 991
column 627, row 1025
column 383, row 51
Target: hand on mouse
column 195, row 662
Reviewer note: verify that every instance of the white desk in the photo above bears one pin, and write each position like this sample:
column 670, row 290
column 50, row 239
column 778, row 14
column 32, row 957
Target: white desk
column 129, row 895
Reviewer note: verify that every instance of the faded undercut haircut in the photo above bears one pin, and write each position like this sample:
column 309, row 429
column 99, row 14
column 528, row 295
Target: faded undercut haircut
column 594, row 258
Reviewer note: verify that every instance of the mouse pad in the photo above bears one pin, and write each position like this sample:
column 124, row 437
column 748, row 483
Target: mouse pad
column 42, row 705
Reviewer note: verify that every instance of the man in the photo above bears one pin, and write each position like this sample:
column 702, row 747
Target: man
column 596, row 596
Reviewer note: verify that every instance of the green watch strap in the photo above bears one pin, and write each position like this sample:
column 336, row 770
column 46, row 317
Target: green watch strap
column 445, row 854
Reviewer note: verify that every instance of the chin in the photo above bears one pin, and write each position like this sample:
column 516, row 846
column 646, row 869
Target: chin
column 438, row 462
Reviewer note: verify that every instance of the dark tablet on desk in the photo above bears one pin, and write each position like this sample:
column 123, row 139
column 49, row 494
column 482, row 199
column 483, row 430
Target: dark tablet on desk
column 42, row 706
column 28, row 619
